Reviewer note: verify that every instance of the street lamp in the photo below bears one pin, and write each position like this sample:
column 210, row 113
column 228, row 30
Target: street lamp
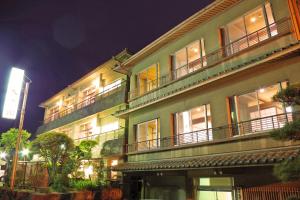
column 25, row 152
column 3, row 155
column 10, row 109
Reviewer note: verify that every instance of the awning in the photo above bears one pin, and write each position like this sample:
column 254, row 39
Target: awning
column 235, row 159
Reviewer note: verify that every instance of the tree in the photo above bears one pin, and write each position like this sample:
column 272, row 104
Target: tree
column 56, row 148
column 81, row 152
column 8, row 142
column 289, row 169
column 9, row 139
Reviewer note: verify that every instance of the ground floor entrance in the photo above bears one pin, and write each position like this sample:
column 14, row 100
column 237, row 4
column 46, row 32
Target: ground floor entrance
column 197, row 184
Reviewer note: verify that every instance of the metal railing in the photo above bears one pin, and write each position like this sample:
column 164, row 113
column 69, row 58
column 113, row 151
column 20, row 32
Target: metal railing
column 118, row 133
column 88, row 101
column 215, row 134
column 279, row 28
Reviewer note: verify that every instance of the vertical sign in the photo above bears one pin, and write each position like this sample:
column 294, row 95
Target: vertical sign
column 12, row 97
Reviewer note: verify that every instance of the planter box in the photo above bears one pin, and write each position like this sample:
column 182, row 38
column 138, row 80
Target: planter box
column 86, row 195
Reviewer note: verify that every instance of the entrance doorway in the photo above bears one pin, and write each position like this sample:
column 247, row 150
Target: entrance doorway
column 214, row 195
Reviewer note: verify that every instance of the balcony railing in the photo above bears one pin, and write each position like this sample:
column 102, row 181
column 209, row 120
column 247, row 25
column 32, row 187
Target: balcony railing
column 88, row 101
column 118, row 133
column 279, row 28
column 215, row 134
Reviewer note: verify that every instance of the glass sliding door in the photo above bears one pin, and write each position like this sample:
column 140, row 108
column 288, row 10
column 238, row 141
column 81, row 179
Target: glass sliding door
column 189, row 59
column 215, row 188
column 148, row 135
column 250, row 29
column 256, row 111
column 148, row 79
column 193, row 125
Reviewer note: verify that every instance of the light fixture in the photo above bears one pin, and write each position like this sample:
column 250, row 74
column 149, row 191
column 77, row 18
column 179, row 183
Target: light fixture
column 59, row 103
column 25, row 152
column 114, row 162
column 289, row 109
column 253, row 19
column 63, row 146
column 262, row 90
column 195, row 50
column 3, row 155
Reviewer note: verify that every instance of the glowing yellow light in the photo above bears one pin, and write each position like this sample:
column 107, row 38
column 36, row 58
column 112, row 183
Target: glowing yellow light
column 195, row 50
column 262, row 90
column 253, row 19
column 114, row 162
column 59, row 103
column 12, row 97
column 289, row 109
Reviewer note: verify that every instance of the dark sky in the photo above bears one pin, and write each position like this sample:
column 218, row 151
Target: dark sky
column 58, row 41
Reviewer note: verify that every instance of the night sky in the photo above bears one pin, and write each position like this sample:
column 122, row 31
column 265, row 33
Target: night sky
column 58, row 41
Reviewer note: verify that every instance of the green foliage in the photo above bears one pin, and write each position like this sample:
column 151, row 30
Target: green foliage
column 60, row 183
column 9, row 139
column 112, row 147
column 86, row 147
column 83, row 184
column 290, row 131
column 288, row 170
column 101, row 173
column 289, row 96
column 56, row 148
column 81, row 152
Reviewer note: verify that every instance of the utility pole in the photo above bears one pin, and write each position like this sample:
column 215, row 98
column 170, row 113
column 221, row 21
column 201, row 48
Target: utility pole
column 15, row 159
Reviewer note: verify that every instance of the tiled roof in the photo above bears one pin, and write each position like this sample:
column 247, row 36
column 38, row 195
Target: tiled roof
column 253, row 158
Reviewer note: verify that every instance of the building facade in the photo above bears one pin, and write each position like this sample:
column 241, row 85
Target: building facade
column 84, row 111
column 200, row 103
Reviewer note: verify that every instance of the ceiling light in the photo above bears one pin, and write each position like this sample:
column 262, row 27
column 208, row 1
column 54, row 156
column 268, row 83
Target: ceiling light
column 262, row 90
column 195, row 50
column 253, row 19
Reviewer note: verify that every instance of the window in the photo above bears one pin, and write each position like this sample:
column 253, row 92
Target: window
column 189, row 59
column 148, row 135
column 215, row 188
column 87, row 96
column 193, row 125
column 54, row 113
column 250, row 29
column 148, row 79
column 85, row 130
column 256, row 111
column 69, row 105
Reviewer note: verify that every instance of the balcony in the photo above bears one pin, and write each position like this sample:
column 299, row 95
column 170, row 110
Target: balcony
column 111, row 143
column 97, row 103
column 111, row 135
column 232, row 57
column 213, row 135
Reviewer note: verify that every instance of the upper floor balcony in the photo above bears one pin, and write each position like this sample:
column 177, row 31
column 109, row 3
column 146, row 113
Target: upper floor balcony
column 106, row 99
column 243, row 130
column 110, row 143
column 248, row 50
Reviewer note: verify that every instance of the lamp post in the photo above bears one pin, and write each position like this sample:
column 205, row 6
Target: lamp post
column 10, row 109
column 15, row 159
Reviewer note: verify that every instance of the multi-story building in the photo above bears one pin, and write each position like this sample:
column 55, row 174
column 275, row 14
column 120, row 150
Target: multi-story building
column 84, row 110
column 200, row 103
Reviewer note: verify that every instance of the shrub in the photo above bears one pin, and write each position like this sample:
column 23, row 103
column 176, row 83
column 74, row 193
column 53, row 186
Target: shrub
column 290, row 131
column 83, row 184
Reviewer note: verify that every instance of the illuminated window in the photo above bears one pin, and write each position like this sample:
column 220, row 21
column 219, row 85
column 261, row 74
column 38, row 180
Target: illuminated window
column 54, row 113
column 259, row 105
column 190, row 58
column 85, row 130
column 148, row 79
column 148, row 135
column 250, row 29
column 69, row 104
column 193, row 125
column 87, row 96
